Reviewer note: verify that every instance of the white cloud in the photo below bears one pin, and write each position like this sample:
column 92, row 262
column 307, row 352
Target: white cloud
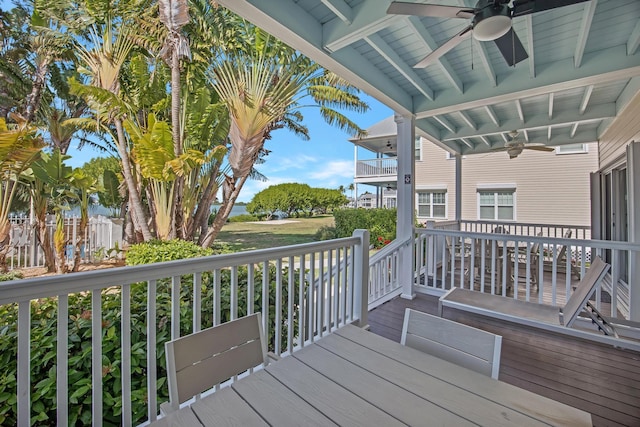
column 334, row 170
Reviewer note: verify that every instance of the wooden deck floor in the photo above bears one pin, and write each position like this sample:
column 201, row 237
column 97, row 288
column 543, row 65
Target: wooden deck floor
column 596, row 378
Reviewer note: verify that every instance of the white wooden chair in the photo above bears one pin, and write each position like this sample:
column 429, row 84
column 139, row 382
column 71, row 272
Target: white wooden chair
column 463, row 345
column 197, row 362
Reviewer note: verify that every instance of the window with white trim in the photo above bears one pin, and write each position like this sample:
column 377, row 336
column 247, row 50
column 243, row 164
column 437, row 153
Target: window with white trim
column 418, row 148
column 432, row 204
column 496, row 204
column 572, row 149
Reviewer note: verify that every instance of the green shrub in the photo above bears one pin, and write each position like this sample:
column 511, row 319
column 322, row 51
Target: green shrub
column 326, row 232
column 244, row 218
column 381, row 223
column 161, row 251
column 44, row 327
column 11, row 275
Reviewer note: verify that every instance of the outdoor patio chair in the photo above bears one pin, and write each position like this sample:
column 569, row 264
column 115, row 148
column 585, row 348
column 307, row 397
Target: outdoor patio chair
column 463, row 345
column 534, row 261
column 562, row 258
column 198, row 362
column 461, row 255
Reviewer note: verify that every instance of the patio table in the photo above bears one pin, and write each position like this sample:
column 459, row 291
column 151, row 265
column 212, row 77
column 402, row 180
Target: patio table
column 356, row 378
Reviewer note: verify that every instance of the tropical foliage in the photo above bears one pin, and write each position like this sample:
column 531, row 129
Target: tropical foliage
column 182, row 93
column 295, row 200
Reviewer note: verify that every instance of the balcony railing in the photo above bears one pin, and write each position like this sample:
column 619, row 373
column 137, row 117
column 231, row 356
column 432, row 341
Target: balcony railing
column 531, row 268
column 526, row 229
column 90, row 346
column 377, row 167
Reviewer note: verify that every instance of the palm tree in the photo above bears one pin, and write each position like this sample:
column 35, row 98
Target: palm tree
column 104, row 60
column 19, row 148
column 263, row 85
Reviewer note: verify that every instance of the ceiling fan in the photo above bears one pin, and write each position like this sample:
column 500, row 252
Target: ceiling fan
column 514, row 147
column 490, row 21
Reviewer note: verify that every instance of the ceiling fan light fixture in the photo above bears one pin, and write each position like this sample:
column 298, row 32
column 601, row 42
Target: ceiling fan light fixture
column 491, row 23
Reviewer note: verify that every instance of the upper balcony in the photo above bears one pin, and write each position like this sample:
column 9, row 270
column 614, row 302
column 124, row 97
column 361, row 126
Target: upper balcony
column 377, row 170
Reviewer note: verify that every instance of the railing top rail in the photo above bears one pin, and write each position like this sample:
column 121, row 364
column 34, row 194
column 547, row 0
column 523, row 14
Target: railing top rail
column 41, row 287
column 524, row 224
column 388, row 249
column 601, row 244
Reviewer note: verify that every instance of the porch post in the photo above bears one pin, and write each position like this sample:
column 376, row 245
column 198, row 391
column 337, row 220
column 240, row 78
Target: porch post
column 458, row 189
column 633, row 216
column 406, row 201
column 361, row 277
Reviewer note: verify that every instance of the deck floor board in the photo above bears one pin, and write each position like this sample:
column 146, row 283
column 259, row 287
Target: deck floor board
column 594, row 377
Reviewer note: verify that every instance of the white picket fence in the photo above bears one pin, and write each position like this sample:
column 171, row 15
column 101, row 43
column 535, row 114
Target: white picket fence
column 100, row 235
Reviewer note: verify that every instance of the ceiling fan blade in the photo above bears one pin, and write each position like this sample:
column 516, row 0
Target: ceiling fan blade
column 511, row 48
column 446, row 47
column 435, row 10
column 540, row 148
column 525, row 7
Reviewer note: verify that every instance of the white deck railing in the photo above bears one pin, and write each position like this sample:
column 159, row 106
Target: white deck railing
column 384, row 276
column 387, row 166
column 489, row 265
column 518, row 228
column 115, row 322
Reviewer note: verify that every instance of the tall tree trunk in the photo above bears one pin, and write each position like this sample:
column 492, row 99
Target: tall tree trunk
column 82, row 229
column 5, row 244
column 231, row 191
column 33, row 99
column 204, row 207
column 43, row 236
column 136, row 209
column 177, row 213
column 60, row 244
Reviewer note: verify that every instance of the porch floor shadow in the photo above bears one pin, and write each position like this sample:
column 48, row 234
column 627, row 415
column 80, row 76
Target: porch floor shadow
column 596, row 378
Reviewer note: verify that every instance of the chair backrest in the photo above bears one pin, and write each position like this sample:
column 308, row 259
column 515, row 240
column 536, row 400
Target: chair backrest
column 563, row 249
column 463, row 345
column 199, row 361
column 584, row 289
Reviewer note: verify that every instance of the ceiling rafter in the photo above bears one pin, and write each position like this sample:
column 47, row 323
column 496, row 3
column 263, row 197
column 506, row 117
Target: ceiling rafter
column 585, row 27
column 341, row 9
column 574, row 128
column 423, row 35
column 526, row 134
column 504, row 137
column 380, row 46
column 530, row 50
column 596, row 113
column 467, row 120
column 549, row 133
column 484, row 58
column 611, row 66
column 551, row 96
column 445, row 123
column 634, row 40
column 467, row 143
column 585, row 98
column 485, row 140
column 369, row 17
column 582, row 136
column 519, row 110
column 492, row 115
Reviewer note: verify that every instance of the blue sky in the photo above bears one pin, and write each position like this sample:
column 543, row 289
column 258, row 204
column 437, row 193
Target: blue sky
column 326, row 160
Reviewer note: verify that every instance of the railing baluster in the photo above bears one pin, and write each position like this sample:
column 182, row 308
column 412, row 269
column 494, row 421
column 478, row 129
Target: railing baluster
column 233, row 304
column 301, row 301
column 278, row 307
column 24, row 363
column 291, row 286
column 62, row 361
column 152, row 385
column 265, row 297
column 312, row 296
column 125, row 337
column 96, row 357
column 197, row 301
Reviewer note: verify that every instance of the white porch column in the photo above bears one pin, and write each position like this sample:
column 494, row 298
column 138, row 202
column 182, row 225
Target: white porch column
column 633, row 216
column 406, row 200
column 458, row 188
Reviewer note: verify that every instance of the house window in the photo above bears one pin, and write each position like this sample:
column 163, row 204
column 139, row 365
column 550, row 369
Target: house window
column 572, row 149
column 418, row 148
column 432, row 204
column 496, row 205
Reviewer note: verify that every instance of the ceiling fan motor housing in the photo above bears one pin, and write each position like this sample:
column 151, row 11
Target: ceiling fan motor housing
column 492, row 20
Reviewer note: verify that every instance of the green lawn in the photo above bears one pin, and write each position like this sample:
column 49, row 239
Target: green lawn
column 244, row 236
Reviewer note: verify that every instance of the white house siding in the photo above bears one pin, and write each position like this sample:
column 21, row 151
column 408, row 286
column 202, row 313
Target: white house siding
column 550, row 188
column 616, row 137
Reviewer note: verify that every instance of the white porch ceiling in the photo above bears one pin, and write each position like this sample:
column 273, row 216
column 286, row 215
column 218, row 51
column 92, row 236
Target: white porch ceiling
column 582, row 70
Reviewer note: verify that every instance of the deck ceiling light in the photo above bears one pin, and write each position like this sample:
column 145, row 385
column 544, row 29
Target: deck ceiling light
column 491, row 23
